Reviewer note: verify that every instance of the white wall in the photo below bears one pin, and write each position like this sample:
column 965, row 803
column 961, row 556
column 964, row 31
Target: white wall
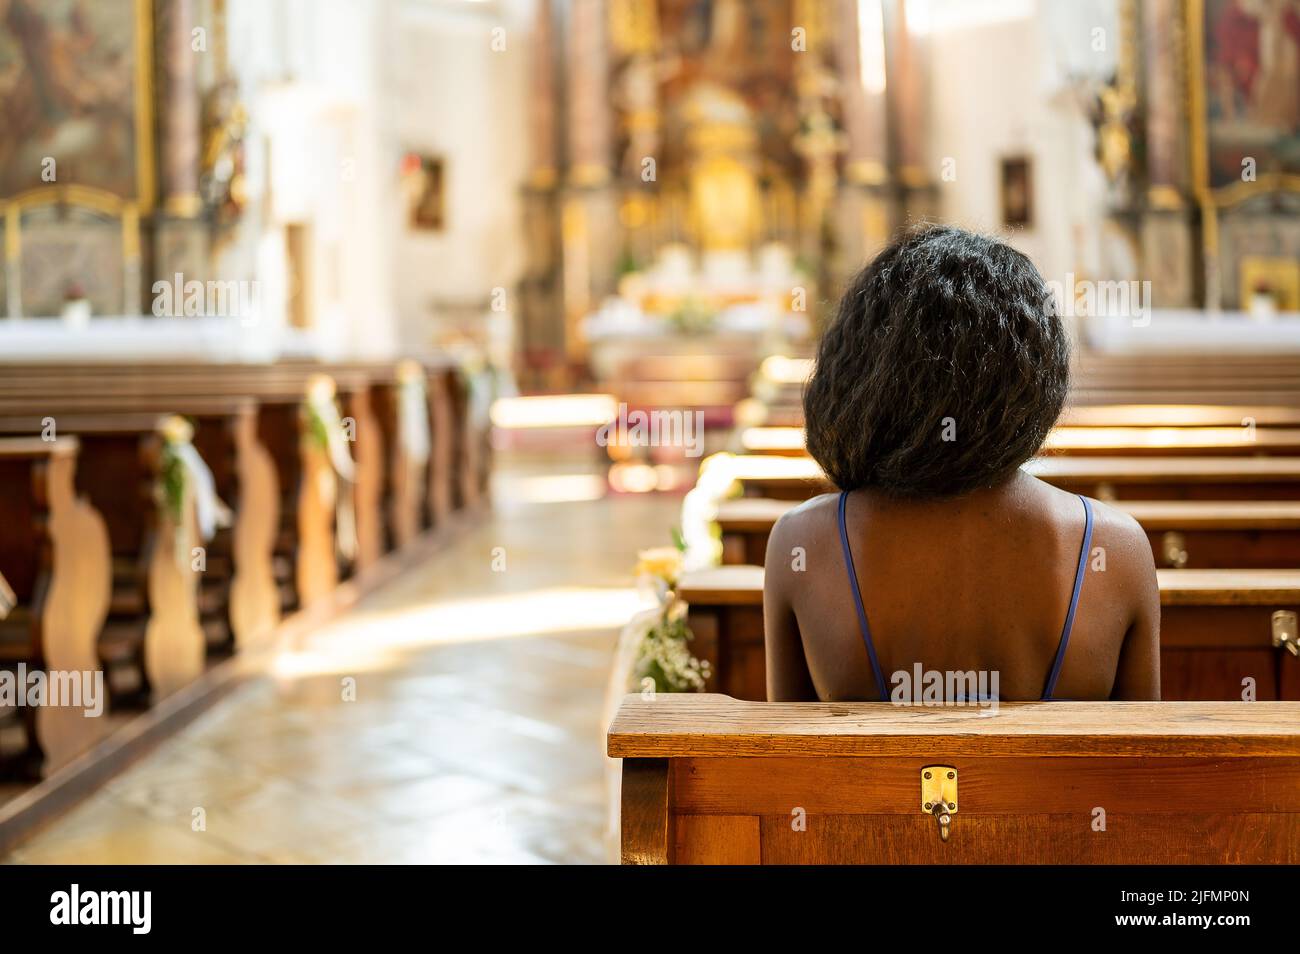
column 338, row 91
column 463, row 101
column 1000, row 87
column 309, row 74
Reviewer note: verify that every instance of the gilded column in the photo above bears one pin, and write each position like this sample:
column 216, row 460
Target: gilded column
column 588, row 218
column 1166, row 229
column 588, row 93
column 541, row 315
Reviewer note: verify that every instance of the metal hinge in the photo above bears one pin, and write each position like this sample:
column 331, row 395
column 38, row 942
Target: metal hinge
column 1285, row 631
column 939, row 795
column 1173, row 550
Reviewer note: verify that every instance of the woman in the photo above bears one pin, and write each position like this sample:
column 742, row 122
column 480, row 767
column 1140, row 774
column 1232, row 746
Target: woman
column 942, row 373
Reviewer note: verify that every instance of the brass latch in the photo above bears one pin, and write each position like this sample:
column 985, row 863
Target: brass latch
column 1173, row 550
column 939, row 795
column 1285, row 631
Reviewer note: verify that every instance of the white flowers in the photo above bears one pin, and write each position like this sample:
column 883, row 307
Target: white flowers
column 662, row 655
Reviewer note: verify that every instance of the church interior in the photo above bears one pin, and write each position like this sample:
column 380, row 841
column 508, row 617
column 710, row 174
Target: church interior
column 399, row 399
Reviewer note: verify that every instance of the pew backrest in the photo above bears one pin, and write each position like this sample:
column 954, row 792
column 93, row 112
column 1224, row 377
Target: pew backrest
column 1219, row 628
column 713, row 780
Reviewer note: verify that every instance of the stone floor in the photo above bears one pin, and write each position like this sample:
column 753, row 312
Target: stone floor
column 455, row 715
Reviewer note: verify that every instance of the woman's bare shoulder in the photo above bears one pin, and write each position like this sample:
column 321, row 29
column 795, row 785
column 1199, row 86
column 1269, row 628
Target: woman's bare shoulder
column 805, row 525
column 1120, row 547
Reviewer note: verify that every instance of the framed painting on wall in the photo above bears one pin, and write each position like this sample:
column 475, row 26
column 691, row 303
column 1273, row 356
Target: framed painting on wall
column 1251, row 89
column 1016, row 192
column 76, row 97
column 425, row 191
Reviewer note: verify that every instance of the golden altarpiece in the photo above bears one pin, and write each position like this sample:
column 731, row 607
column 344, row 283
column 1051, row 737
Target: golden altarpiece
column 704, row 167
column 1199, row 135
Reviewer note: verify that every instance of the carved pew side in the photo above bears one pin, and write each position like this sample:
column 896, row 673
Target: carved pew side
column 404, row 480
column 54, row 552
column 238, row 601
column 446, row 458
column 1218, row 627
column 1192, row 534
column 713, row 780
column 306, row 562
column 152, row 643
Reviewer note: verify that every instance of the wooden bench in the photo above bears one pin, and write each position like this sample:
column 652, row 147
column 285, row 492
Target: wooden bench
column 1105, row 478
column 1173, row 478
column 1184, row 534
column 1093, row 440
column 152, row 643
column 1180, row 415
column 238, row 598
column 1098, row 409
column 55, row 556
column 713, row 780
column 1217, row 628
column 305, row 543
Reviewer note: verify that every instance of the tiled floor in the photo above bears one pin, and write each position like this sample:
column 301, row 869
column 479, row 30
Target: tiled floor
column 453, row 716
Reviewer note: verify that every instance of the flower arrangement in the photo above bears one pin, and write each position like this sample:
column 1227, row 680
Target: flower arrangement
column 183, row 476
column 325, row 425
column 662, row 654
column 176, row 433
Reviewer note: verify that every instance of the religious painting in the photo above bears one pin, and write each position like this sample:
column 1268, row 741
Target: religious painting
column 1252, row 89
column 1017, row 192
column 70, row 95
column 425, row 192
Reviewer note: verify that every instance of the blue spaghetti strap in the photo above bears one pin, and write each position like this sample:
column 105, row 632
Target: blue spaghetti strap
column 1074, row 600
column 857, row 601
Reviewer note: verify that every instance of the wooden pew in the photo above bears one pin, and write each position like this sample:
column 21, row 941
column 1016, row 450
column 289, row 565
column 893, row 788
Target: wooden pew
column 306, row 541
column 1095, row 410
column 1184, row 534
column 238, row 598
column 305, row 544
column 472, row 449
column 1105, row 478
column 713, row 780
column 1180, row 415
column 1217, row 628
column 404, row 481
column 55, row 555
column 152, row 640
column 1097, row 441
column 1178, row 478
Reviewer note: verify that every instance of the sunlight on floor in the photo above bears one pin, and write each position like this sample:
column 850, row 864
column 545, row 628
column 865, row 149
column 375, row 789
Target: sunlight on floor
column 376, row 640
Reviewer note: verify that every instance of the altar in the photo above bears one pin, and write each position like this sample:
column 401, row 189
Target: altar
column 690, row 331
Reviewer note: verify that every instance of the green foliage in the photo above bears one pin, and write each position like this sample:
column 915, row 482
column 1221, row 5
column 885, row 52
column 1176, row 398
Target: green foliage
column 173, row 484
column 665, row 657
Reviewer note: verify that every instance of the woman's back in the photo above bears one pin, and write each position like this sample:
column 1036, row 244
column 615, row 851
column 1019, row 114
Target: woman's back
column 942, row 372
column 981, row 583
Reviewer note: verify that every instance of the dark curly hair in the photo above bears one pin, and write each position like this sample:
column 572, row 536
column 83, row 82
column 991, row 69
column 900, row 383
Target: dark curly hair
column 943, row 370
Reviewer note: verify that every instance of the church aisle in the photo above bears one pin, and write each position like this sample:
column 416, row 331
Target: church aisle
column 475, row 733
